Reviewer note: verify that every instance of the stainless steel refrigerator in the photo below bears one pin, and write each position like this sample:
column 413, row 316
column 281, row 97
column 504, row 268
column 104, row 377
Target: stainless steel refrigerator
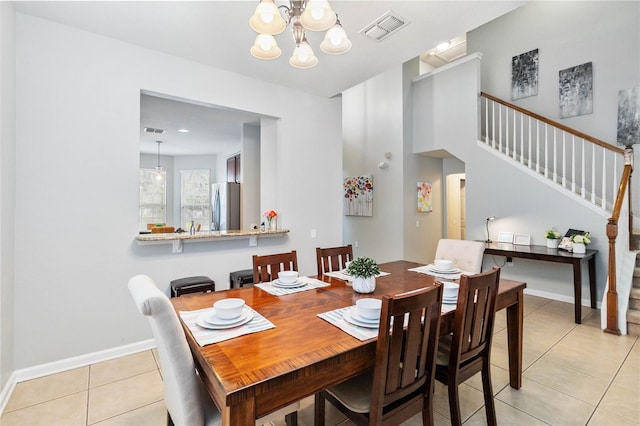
column 225, row 202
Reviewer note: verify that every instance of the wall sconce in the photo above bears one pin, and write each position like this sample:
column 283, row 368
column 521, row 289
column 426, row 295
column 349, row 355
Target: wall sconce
column 489, row 219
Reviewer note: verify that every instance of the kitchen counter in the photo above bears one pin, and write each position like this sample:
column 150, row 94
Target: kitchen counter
column 177, row 240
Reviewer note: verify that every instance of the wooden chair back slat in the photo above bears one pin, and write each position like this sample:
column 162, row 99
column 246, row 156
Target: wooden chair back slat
column 266, row 267
column 333, row 258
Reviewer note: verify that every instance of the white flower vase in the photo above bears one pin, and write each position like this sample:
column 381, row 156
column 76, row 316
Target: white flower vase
column 551, row 243
column 579, row 248
column 364, row 285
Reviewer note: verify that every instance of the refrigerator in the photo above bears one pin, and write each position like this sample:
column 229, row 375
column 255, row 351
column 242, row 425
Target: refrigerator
column 225, row 203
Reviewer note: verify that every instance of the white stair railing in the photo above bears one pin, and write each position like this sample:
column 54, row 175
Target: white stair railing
column 581, row 164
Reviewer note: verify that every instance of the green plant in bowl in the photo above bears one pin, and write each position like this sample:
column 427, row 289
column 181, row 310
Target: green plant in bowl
column 363, row 267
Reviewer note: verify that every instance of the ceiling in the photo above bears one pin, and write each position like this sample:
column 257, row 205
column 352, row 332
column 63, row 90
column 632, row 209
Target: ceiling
column 217, row 33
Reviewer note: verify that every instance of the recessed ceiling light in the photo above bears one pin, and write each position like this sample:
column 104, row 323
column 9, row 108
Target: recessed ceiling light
column 183, row 130
column 443, row 46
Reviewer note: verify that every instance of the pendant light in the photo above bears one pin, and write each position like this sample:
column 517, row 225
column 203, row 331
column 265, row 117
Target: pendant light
column 159, row 168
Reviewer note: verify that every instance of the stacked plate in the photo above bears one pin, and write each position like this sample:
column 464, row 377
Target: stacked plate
column 450, row 293
column 351, row 316
column 296, row 283
column 213, row 322
column 437, row 270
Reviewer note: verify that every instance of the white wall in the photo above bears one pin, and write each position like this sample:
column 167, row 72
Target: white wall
column 372, row 125
column 250, row 176
column 570, row 33
column 7, row 187
column 77, row 196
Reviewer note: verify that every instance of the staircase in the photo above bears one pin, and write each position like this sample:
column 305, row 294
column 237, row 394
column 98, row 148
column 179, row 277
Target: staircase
column 593, row 172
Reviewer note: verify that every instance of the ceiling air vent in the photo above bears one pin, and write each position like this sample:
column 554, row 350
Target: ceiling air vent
column 152, row 130
column 384, row 26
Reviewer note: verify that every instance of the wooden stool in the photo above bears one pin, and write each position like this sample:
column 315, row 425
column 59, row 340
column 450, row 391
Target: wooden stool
column 192, row 285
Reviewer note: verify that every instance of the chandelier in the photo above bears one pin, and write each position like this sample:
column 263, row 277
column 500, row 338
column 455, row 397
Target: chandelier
column 314, row 15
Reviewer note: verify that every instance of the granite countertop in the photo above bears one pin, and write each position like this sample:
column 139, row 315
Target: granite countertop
column 209, row 235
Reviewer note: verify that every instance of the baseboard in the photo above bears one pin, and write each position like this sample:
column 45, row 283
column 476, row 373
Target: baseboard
column 558, row 297
column 6, row 392
column 82, row 360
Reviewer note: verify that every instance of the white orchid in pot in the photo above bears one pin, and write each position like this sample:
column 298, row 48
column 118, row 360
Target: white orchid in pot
column 580, row 242
column 553, row 237
column 364, row 271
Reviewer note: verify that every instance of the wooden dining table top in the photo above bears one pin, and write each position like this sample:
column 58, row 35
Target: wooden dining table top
column 303, row 353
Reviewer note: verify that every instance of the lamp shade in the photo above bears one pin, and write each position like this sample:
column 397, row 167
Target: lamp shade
column 265, row 47
column 318, row 16
column 267, row 19
column 335, row 41
column 303, row 56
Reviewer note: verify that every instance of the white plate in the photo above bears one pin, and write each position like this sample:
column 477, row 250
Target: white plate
column 350, row 319
column 355, row 315
column 444, row 271
column 278, row 283
column 212, row 322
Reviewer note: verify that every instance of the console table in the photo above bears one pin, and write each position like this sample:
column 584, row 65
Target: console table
column 546, row 254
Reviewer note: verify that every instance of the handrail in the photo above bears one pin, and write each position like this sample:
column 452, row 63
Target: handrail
column 612, row 233
column 555, row 124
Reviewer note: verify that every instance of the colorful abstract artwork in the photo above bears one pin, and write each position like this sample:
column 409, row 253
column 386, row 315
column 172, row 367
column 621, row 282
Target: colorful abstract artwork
column 576, row 90
column 425, row 204
column 358, row 196
column 524, row 75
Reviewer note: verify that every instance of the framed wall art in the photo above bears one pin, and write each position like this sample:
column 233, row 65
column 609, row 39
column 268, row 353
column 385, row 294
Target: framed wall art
column 576, row 90
column 524, row 75
column 629, row 116
column 358, row 196
column 425, row 202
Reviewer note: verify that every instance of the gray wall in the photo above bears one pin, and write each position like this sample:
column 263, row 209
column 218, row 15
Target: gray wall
column 71, row 270
column 7, row 188
column 569, row 33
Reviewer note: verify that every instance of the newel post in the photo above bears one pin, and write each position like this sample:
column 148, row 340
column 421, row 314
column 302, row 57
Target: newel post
column 612, row 294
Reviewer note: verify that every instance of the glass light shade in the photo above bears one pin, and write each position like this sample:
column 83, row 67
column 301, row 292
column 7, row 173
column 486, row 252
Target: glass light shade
column 267, row 19
column 335, row 41
column 318, row 16
column 303, row 56
column 265, row 47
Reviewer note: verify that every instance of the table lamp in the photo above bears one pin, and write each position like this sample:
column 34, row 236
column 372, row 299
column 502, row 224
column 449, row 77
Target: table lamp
column 489, row 219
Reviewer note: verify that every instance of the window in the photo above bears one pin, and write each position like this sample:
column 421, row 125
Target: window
column 153, row 197
column 195, row 198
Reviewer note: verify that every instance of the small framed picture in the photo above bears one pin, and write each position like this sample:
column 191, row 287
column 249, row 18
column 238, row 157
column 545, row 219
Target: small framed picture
column 566, row 243
column 505, row 237
column 522, row 239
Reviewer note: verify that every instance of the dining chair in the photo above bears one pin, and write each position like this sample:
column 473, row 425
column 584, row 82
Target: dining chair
column 467, row 350
column 466, row 255
column 400, row 385
column 333, row 258
column 185, row 396
column 266, row 267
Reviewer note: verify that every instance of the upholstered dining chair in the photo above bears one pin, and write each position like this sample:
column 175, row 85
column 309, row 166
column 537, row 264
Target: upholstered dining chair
column 185, row 396
column 266, row 267
column 333, row 258
column 465, row 254
column 467, row 350
column 401, row 382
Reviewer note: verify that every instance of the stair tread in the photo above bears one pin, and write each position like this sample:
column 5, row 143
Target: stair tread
column 635, row 293
column 633, row 315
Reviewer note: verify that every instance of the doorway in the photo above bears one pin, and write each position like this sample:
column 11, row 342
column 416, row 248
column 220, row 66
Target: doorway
column 456, row 208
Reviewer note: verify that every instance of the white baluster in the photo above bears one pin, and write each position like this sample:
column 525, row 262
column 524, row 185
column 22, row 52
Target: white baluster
column 564, row 160
column 593, row 173
column 604, row 179
column 546, row 152
column 573, row 163
column 500, row 128
column 583, row 192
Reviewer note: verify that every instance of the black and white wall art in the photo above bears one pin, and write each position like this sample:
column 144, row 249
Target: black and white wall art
column 629, row 116
column 524, row 75
column 576, row 90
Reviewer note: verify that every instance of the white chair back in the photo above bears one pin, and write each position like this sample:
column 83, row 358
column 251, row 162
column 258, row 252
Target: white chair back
column 465, row 255
column 183, row 390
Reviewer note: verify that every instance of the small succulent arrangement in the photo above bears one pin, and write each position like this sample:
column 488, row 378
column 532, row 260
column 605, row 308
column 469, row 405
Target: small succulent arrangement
column 584, row 239
column 363, row 267
column 552, row 234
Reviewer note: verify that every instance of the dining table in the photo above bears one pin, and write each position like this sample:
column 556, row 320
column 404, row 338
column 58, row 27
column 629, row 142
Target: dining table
column 255, row 374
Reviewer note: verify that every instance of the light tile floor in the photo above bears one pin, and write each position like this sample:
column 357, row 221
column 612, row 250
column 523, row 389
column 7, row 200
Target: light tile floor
column 573, row 375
